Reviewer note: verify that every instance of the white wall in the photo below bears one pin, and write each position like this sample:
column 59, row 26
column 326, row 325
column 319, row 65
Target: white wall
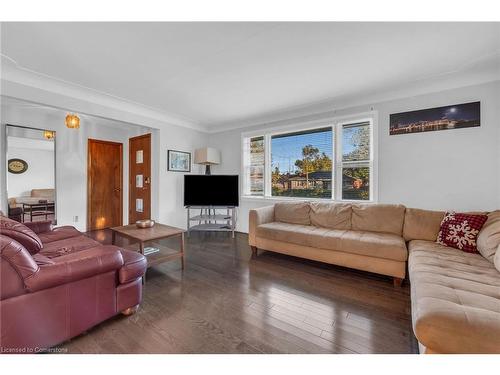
column 71, row 160
column 171, row 195
column 71, row 155
column 40, row 173
column 455, row 169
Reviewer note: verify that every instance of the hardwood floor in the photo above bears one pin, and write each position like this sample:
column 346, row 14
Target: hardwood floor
column 226, row 301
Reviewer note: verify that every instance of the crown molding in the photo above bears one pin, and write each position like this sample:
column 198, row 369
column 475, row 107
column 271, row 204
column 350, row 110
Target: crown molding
column 21, row 83
column 429, row 85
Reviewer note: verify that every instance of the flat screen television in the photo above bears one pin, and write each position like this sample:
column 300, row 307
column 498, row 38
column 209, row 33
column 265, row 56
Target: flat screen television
column 211, row 190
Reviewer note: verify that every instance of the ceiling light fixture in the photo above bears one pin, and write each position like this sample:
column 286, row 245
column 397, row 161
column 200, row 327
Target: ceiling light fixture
column 72, row 121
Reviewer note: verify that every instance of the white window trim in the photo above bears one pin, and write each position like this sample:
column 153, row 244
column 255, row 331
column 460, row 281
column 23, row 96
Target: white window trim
column 336, row 124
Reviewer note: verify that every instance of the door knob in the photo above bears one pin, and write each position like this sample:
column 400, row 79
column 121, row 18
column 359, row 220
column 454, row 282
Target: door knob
column 147, row 180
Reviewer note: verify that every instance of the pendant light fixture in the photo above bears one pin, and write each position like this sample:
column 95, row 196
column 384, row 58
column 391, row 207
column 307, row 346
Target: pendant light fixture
column 72, row 121
column 48, row 134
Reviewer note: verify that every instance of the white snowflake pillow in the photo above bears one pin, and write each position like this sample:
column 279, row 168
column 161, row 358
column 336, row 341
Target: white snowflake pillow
column 460, row 231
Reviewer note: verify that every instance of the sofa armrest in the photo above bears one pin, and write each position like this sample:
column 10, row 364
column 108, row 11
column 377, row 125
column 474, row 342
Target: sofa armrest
column 18, row 257
column 76, row 266
column 40, row 226
column 257, row 217
column 134, row 266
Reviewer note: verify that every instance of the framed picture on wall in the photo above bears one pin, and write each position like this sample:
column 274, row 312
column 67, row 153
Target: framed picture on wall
column 455, row 116
column 178, row 161
column 17, row 166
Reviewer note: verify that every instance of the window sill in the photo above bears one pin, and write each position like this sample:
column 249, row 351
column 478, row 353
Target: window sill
column 257, row 198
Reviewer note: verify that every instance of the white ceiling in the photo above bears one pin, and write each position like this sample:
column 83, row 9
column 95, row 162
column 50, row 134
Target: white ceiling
column 218, row 74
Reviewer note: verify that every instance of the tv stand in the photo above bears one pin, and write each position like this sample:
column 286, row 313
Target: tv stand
column 211, row 219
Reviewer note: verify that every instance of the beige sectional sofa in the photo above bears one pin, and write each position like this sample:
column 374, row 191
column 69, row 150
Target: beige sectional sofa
column 35, row 196
column 455, row 295
column 365, row 237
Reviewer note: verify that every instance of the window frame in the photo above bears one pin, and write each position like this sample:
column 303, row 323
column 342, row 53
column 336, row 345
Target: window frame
column 247, row 166
column 340, row 164
column 336, row 124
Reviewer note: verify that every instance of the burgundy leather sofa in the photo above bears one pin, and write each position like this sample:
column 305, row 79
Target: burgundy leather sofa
column 57, row 283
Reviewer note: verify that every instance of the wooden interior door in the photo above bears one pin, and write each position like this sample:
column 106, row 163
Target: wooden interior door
column 104, row 184
column 139, row 178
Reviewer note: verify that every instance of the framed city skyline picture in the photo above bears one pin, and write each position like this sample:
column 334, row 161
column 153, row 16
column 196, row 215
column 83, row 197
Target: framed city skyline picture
column 456, row 116
column 178, row 161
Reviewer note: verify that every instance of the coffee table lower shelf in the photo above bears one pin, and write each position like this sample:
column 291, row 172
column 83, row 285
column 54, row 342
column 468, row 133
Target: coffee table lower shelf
column 165, row 254
column 143, row 238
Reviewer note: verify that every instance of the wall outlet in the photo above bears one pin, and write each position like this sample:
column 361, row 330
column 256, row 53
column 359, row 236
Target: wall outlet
column 75, row 219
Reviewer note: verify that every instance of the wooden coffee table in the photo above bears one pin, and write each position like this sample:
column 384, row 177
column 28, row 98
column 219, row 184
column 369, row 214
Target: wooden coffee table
column 39, row 209
column 157, row 232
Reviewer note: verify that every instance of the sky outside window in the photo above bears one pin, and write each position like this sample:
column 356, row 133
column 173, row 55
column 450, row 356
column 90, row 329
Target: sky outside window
column 287, row 149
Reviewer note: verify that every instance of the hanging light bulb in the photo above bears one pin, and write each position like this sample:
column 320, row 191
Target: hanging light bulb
column 72, row 121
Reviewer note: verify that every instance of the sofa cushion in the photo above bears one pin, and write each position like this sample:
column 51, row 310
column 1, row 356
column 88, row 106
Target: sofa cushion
column 39, row 226
column 460, row 231
column 386, row 218
column 489, row 237
column 43, row 193
column 422, row 224
column 285, row 232
column 66, row 246
column 455, row 299
column 21, row 233
column 373, row 244
column 331, row 215
column 379, row 245
column 59, row 233
column 292, row 212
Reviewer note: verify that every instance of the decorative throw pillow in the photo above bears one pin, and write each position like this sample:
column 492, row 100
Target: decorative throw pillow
column 460, row 231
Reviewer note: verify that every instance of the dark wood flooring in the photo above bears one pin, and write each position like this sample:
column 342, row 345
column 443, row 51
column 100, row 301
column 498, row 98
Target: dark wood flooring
column 225, row 301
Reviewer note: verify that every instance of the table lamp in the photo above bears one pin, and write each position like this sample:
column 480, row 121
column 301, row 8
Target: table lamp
column 207, row 156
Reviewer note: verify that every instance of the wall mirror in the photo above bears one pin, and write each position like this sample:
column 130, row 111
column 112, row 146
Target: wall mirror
column 31, row 182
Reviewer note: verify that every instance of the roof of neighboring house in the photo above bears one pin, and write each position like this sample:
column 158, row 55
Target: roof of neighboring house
column 324, row 175
column 319, row 175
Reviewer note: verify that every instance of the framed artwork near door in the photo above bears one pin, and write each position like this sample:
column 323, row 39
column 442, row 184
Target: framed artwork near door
column 178, row 161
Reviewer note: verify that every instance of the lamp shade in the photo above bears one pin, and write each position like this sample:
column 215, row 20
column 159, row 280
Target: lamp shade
column 207, row 156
